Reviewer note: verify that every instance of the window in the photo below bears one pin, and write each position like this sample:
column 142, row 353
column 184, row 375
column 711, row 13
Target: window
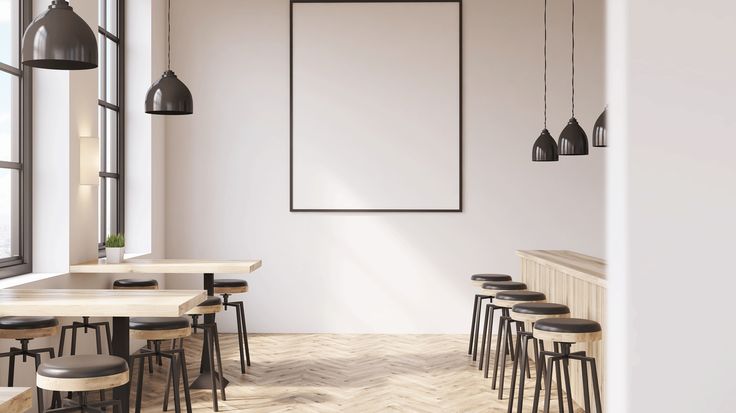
column 110, row 119
column 15, row 137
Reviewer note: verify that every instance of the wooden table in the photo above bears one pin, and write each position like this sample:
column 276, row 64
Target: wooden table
column 118, row 304
column 578, row 281
column 15, row 399
column 177, row 266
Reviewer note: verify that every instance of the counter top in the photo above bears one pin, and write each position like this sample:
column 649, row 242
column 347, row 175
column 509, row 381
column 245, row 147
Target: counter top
column 15, row 399
column 168, row 266
column 578, row 265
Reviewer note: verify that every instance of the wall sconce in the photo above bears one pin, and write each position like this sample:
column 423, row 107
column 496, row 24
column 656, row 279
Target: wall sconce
column 89, row 160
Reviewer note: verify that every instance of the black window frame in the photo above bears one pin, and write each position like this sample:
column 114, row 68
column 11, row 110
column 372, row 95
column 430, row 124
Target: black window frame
column 103, row 105
column 22, row 263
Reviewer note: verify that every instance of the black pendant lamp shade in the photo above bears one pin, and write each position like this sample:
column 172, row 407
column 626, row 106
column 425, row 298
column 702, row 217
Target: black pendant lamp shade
column 545, row 147
column 169, row 95
column 59, row 39
column 573, row 140
column 599, row 131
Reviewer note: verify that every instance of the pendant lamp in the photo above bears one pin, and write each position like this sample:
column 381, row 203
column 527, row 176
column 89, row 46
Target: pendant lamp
column 169, row 95
column 545, row 147
column 599, row 131
column 573, row 140
column 59, row 39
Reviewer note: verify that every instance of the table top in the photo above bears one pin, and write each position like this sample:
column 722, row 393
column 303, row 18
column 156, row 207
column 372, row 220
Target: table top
column 99, row 303
column 580, row 265
column 15, row 399
column 168, row 266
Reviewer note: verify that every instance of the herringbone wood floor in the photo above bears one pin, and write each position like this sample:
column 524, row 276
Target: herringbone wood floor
column 344, row 373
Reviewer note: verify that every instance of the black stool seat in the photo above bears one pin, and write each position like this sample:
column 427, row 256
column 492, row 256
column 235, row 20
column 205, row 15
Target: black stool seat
column 521, row 295
column 158, row 323
column 25, row 323
column 490, row 277
column 83, row 366
column 504, row 285
column 567, row 325
column 230, row 282
column 210, row 301
column 541, row 308
column 132, row 283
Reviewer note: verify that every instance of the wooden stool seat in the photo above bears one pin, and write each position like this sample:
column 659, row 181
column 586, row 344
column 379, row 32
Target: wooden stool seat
column 211, row 305
column 28, row 327
column 535, row 311
column 494, row 287
column 159, row 328
column 134, row 284
column 567, row 330
column 231, row 286
column 507, row 299
column 82, row 373
column 479, row 279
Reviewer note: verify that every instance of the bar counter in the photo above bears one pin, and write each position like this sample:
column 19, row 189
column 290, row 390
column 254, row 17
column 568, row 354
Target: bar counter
column 578, row 281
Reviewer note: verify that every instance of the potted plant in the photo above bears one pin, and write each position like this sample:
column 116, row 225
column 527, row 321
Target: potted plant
column 114, row 248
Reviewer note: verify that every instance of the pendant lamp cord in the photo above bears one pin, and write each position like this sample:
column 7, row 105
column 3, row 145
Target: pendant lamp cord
column 545, row 64
column 573, row 58
column 168, row 36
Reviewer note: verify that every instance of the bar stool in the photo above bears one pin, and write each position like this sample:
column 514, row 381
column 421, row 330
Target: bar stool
column 212, row 305
column 25, row 329
column 479, row 279
column 529, row 313
column 82, row 374
column 566, row 332
column 135, row 284
column 226, row 288
column 156, row 330
column 506, row 300
column 139, row 284
column 491, row 289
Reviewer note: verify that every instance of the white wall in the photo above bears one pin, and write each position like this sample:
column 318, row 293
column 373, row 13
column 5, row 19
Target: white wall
column 227, row 170
column 672, row 203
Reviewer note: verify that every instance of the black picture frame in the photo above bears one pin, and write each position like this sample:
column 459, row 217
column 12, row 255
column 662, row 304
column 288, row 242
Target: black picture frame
column 291, row 112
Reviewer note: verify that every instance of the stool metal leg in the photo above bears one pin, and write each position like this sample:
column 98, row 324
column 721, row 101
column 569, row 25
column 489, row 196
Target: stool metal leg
column 139, row 386
column 489, row 332
column 500, row 347
column 240, row 340
column 596, row 389
column 502, row 374
column 548, row 384
column 476, row 310
column 211, row 347
column 560, row 400
column 586, row 391
column 483, row 351
column 245, row 333
column 566, row 371
column 216, row 336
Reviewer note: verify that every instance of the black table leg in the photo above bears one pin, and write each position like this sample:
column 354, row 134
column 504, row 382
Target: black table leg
column 204, row 381
column 121, row 348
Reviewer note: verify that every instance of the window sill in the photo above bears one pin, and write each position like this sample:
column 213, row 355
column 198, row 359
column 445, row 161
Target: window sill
column 32, row 277
column 17, row 280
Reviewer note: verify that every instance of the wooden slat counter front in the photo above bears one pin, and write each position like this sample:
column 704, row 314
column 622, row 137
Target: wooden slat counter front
column 578, row 281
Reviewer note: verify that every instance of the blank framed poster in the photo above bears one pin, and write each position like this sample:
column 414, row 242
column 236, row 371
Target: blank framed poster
column 376, row 106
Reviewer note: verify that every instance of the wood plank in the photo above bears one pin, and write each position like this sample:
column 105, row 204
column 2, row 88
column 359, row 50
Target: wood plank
column 99, row 303
column 168, row 266
column 16, row 399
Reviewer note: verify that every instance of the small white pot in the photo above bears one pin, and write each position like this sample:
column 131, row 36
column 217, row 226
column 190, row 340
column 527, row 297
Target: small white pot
column 114, row 255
